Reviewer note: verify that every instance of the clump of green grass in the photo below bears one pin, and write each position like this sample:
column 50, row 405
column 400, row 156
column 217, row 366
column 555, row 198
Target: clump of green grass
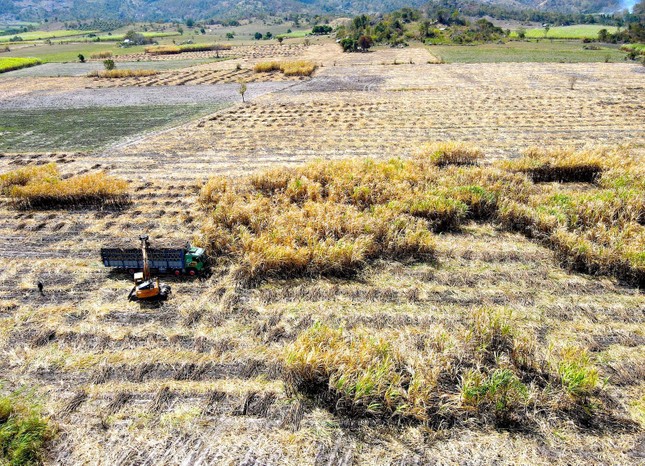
column 450, row 153
column 288, row 68
column 501, row 390
column 23, row 432
column 43, row 187
column 579, row 377
column 16, row 63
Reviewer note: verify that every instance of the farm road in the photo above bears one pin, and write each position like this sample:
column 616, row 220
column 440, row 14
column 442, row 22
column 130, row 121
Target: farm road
column 131, row 96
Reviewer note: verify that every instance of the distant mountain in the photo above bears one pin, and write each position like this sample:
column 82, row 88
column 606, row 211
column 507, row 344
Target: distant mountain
column 155, row 10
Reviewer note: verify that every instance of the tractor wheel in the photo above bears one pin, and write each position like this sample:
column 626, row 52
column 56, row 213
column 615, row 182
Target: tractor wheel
column 177, row 272
column 192, row 272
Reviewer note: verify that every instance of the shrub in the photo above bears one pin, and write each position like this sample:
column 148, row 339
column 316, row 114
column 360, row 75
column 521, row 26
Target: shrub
column 32, row 187
column 23, row 432
column 109, row 64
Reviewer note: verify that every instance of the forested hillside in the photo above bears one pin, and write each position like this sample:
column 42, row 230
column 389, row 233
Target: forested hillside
column 155, row 10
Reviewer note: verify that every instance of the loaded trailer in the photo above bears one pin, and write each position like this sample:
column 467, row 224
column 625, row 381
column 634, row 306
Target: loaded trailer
column 188, row 260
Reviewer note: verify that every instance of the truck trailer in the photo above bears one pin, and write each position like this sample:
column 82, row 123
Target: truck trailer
column 188, row 260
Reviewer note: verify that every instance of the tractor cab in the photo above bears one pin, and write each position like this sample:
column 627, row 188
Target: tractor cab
column 195, row 259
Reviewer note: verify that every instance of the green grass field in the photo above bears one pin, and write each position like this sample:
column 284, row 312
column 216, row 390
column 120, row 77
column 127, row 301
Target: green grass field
column 87, row 128
column 42, row 35
column 579, row 31
column 62, row 53
column 150, row 34
column 10, row 64
column 543, row 51
column 296, row 34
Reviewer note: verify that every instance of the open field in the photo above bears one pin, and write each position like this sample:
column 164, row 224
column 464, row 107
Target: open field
column 484, row 346
column 67, row 52
column 149, row 34
column 12, row 64
column 543, row 51
column 91, row 118
column 42, row 35
column 579, row 31
column 82, row 69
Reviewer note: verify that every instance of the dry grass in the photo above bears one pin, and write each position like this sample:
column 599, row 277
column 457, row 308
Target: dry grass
column 43, row 187
column 163, row 50
column 288, row 68
column 450, row 153
column 332, row 218
column 488, row 370
column 25, row 175
column 562, row 165
column 113, row 74
column 218, row 348
column 101, row 55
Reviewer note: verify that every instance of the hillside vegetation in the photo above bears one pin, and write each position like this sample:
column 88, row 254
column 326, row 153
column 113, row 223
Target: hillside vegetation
column 151, row 10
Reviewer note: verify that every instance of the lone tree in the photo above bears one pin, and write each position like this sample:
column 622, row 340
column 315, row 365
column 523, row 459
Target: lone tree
column 81, row 58
column 365, row 42
column 242, row 89
column 546, row 30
